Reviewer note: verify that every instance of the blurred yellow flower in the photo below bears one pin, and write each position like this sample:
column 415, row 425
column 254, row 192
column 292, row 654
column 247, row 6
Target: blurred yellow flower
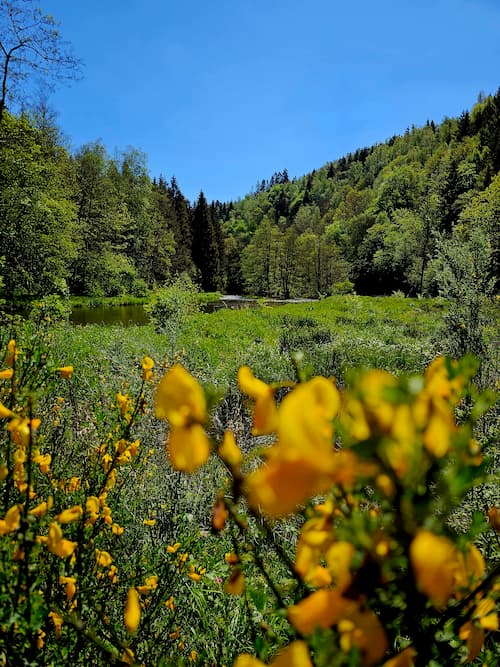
column 235, row 584
column 433, row 559
column 403, row 659
column 265, row 414
column 103, row 558
column 72, row 514
column 65, row 372
column 180, row 399
column 132, row 611
column 188, row 447
column 147, row 368
column 6, row 374
column 11, row 521
column 229, row 451
column 56, row 544
column 320, row 609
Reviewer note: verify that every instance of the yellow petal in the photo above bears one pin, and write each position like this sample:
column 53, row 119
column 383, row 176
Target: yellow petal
column 229, row 451
column 294, row 655
column 265, row 414
column 321, row 609
column 132, row 611
column 179, row 398
column 434, row 559
column 188, row 447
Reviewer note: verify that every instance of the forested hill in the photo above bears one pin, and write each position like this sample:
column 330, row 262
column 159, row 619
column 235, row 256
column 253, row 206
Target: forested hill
column 375, row 221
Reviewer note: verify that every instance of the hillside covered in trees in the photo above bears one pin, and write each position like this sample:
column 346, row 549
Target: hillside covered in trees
column 375, row 221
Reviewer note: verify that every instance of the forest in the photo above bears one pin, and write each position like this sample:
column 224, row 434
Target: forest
column 375, row 221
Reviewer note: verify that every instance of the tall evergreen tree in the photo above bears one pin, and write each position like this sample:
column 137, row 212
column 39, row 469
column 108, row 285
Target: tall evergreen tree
column 205, row 246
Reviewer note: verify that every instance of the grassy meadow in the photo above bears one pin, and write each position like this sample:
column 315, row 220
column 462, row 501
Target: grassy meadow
column 152, row 527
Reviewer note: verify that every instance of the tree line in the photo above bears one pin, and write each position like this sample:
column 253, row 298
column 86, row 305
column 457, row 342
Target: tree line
column 374, row 221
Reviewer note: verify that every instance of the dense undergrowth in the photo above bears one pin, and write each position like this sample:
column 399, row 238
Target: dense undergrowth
column 112, row 553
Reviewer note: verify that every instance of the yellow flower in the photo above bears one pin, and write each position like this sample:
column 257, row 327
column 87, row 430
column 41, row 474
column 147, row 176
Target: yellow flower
column 70, row 586
column 483, row 618
column 103, row 558
column 180, row 399
column 403, row 659
column 128, row 656
column 149, row 522
column 235, row 584
column 147, row 368
column 132, row 611
column 72, row 514
column 56, row 544
column 57, row 620
column 321, row 609
column 12, row 353
column 294, row 655
column 170, row 603
column 192, row 656
column 338, row 558
column 229, row 451
column 363, row 630
column 6, row 374
column 41, row 509
column 11, row 521
column 173, row 548
column 188, row 447
column 65, row 372
column 123, row 401
column 5, row 413
column 265, row 414
column 150, row 584
column 433, row 559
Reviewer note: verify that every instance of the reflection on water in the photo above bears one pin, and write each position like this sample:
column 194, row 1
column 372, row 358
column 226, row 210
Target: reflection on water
column 125, row 315
column 136, row 315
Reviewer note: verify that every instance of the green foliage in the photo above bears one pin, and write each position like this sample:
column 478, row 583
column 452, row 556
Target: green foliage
column 172, row 305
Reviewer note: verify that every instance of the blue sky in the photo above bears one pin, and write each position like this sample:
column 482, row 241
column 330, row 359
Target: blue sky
column 222, row 94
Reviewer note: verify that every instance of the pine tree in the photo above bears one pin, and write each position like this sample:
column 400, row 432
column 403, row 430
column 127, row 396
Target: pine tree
column 205, row 247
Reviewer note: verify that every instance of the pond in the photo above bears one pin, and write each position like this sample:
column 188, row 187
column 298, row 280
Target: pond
column 136, row 315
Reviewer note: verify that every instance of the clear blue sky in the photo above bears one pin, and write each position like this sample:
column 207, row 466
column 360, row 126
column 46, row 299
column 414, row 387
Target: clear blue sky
column 222, row 94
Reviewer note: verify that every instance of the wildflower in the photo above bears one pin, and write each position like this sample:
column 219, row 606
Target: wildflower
column 362, row 629
column 21, row 429
column 6, row 374
column 321, row 609
column 40, row 638
column 192, row 656
column 123, row 401
column 173, row 548
column 149, row 522
column 188, row 447
column 132, row 611
column 169, row 604
column 150, row 584
column 229, row 451
column 72, row 514
column 403, row 659
column 116, row 529
column 147, row 368
column 180, row 399
column 235, row 585
column 483, row 618
column 70, row 586
column 11, row 521
column 103, row 558
column 57, row 620
column 42, row 509
column 5, row 413
column 265, row 414
column 128, row 656
column 220, row 514
column 65, row 372
column 433, row 559
column 295, row 654
column 43, row 461
column 56, row 544
column 12, row 353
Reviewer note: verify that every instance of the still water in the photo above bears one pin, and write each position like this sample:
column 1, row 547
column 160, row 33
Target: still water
column 136, row 315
